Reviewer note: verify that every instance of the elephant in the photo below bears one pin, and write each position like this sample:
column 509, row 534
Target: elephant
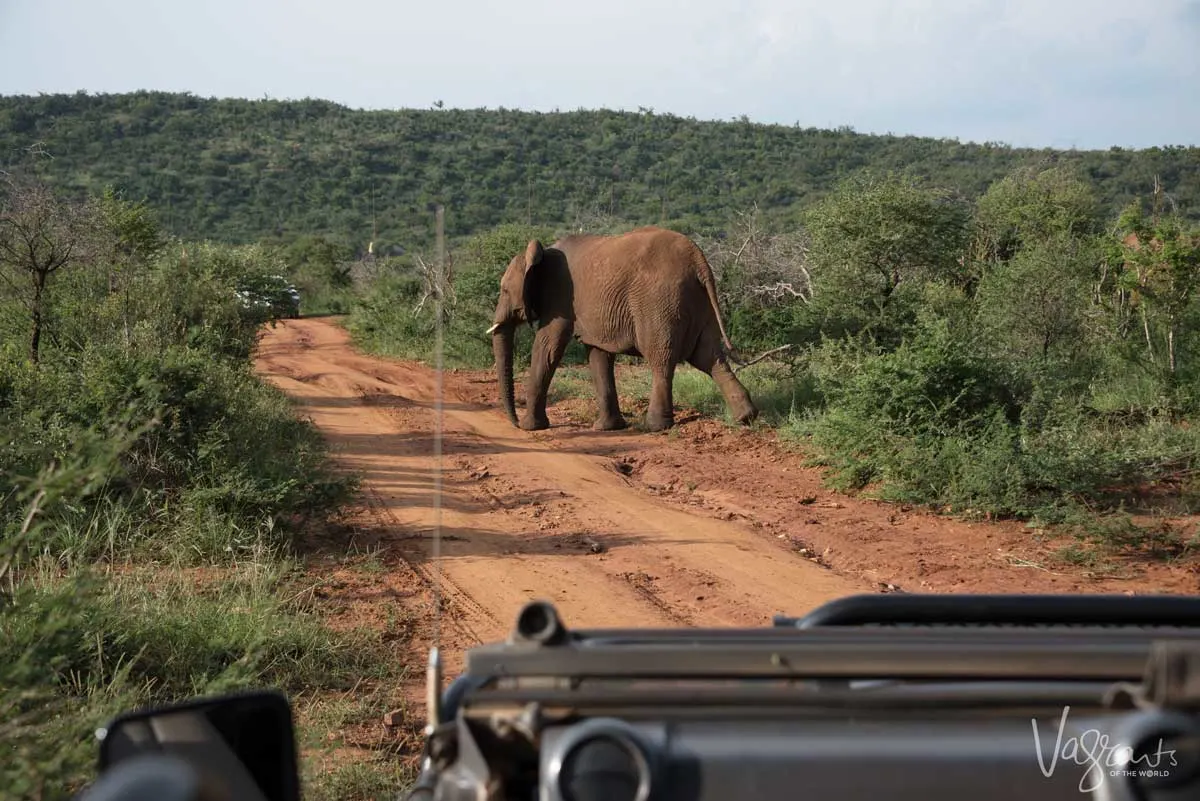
column 648, row 293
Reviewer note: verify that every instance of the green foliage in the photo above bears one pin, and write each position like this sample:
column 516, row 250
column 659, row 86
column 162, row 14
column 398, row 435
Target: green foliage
column 169, row 343
column 1024, row 390
column 77, row 649
column 491, row 251
column 320, row 269
column 242, row 170
column 873, row 239
column 929, row 388
column 1035, row 310
column 387, row 319
column 384, row 319
column 142, row 438
column 757, row 327
column 929, row 424
column 1156, row 275
column 1033, row 205
column 137, row 235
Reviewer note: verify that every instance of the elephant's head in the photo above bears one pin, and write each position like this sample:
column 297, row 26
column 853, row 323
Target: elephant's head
column 516, row 305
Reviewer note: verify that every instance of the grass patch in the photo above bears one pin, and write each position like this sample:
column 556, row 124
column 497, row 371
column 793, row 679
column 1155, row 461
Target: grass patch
column 345, row 777
column 692, row 389
column 570, row 383
column 769, row 386
column 80, row 647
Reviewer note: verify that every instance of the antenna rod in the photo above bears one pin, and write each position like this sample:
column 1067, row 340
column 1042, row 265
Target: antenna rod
column 439, row 279
column 433, row 691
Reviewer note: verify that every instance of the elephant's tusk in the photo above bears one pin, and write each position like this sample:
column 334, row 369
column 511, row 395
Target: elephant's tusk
column 493, row 328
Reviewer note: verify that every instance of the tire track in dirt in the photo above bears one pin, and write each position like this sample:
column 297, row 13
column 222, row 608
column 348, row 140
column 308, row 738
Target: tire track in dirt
column 455, row 601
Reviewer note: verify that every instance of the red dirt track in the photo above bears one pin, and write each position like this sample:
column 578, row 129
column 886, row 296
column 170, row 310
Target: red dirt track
column 704, row 525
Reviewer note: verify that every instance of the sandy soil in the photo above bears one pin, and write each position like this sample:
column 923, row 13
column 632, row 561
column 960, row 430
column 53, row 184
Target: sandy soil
column 702, row 525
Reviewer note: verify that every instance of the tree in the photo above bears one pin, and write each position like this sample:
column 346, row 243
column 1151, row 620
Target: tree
column 133, row 239
column 1032, row 205
column 1035, row 310
column 40, row 235
column 758, row 267
column 1159, row 274
column 321, row 258
column 877, row 233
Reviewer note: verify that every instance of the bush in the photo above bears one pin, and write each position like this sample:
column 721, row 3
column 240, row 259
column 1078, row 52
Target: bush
column 141, row 436
column 226, row 454
column 931, row 423
column 888, row 404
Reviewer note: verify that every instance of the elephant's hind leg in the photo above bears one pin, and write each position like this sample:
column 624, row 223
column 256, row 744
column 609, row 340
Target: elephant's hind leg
column 709, row 358
column 609, row 417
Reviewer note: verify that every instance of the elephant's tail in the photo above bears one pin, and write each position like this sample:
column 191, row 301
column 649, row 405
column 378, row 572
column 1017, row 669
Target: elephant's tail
column 705, row 274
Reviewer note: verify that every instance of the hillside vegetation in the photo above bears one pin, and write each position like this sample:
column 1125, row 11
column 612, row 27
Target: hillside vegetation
column 241, row 170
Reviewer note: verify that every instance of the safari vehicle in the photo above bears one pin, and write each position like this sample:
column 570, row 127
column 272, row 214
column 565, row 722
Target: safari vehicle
column 888, row 696
column 273, row 295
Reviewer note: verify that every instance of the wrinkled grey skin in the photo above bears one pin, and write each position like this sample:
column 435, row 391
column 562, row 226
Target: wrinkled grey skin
column 647, row 293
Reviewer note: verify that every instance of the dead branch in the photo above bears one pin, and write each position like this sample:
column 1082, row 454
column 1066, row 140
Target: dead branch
column 766, row 267
column 750, row 221
column 762, row 357
column 778, row 291
column 445, row 290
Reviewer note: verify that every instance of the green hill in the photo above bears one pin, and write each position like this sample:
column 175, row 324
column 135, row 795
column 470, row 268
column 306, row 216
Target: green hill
column 241, row 170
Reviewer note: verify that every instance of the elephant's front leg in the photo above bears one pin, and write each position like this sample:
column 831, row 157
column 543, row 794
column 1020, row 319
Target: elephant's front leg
column 609, row 417
column 661, row 414
column 549, row 346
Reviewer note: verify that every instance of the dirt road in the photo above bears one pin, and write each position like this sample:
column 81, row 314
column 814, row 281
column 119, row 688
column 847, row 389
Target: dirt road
column 522, row 515
column 703, row 525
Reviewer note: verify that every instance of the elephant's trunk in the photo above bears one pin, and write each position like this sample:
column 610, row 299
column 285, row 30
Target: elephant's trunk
column 502, row 347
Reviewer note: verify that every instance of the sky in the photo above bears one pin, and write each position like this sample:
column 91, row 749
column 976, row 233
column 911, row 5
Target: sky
column 1029, row 73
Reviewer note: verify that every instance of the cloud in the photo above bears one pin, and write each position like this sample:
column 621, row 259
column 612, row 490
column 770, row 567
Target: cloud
column 1032, row 72
column 1024, row 69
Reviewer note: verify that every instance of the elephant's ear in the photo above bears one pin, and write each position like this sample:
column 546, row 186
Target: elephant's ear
column 533, row 257
column 533, row 253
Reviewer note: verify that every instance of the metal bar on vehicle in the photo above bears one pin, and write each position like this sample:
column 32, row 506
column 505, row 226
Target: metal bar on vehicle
column 826, row 657
column 902, row 697
column 610, row 638
column 1000, row 609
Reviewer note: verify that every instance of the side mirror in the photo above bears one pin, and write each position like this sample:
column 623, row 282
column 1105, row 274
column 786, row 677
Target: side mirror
column 239, row 747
